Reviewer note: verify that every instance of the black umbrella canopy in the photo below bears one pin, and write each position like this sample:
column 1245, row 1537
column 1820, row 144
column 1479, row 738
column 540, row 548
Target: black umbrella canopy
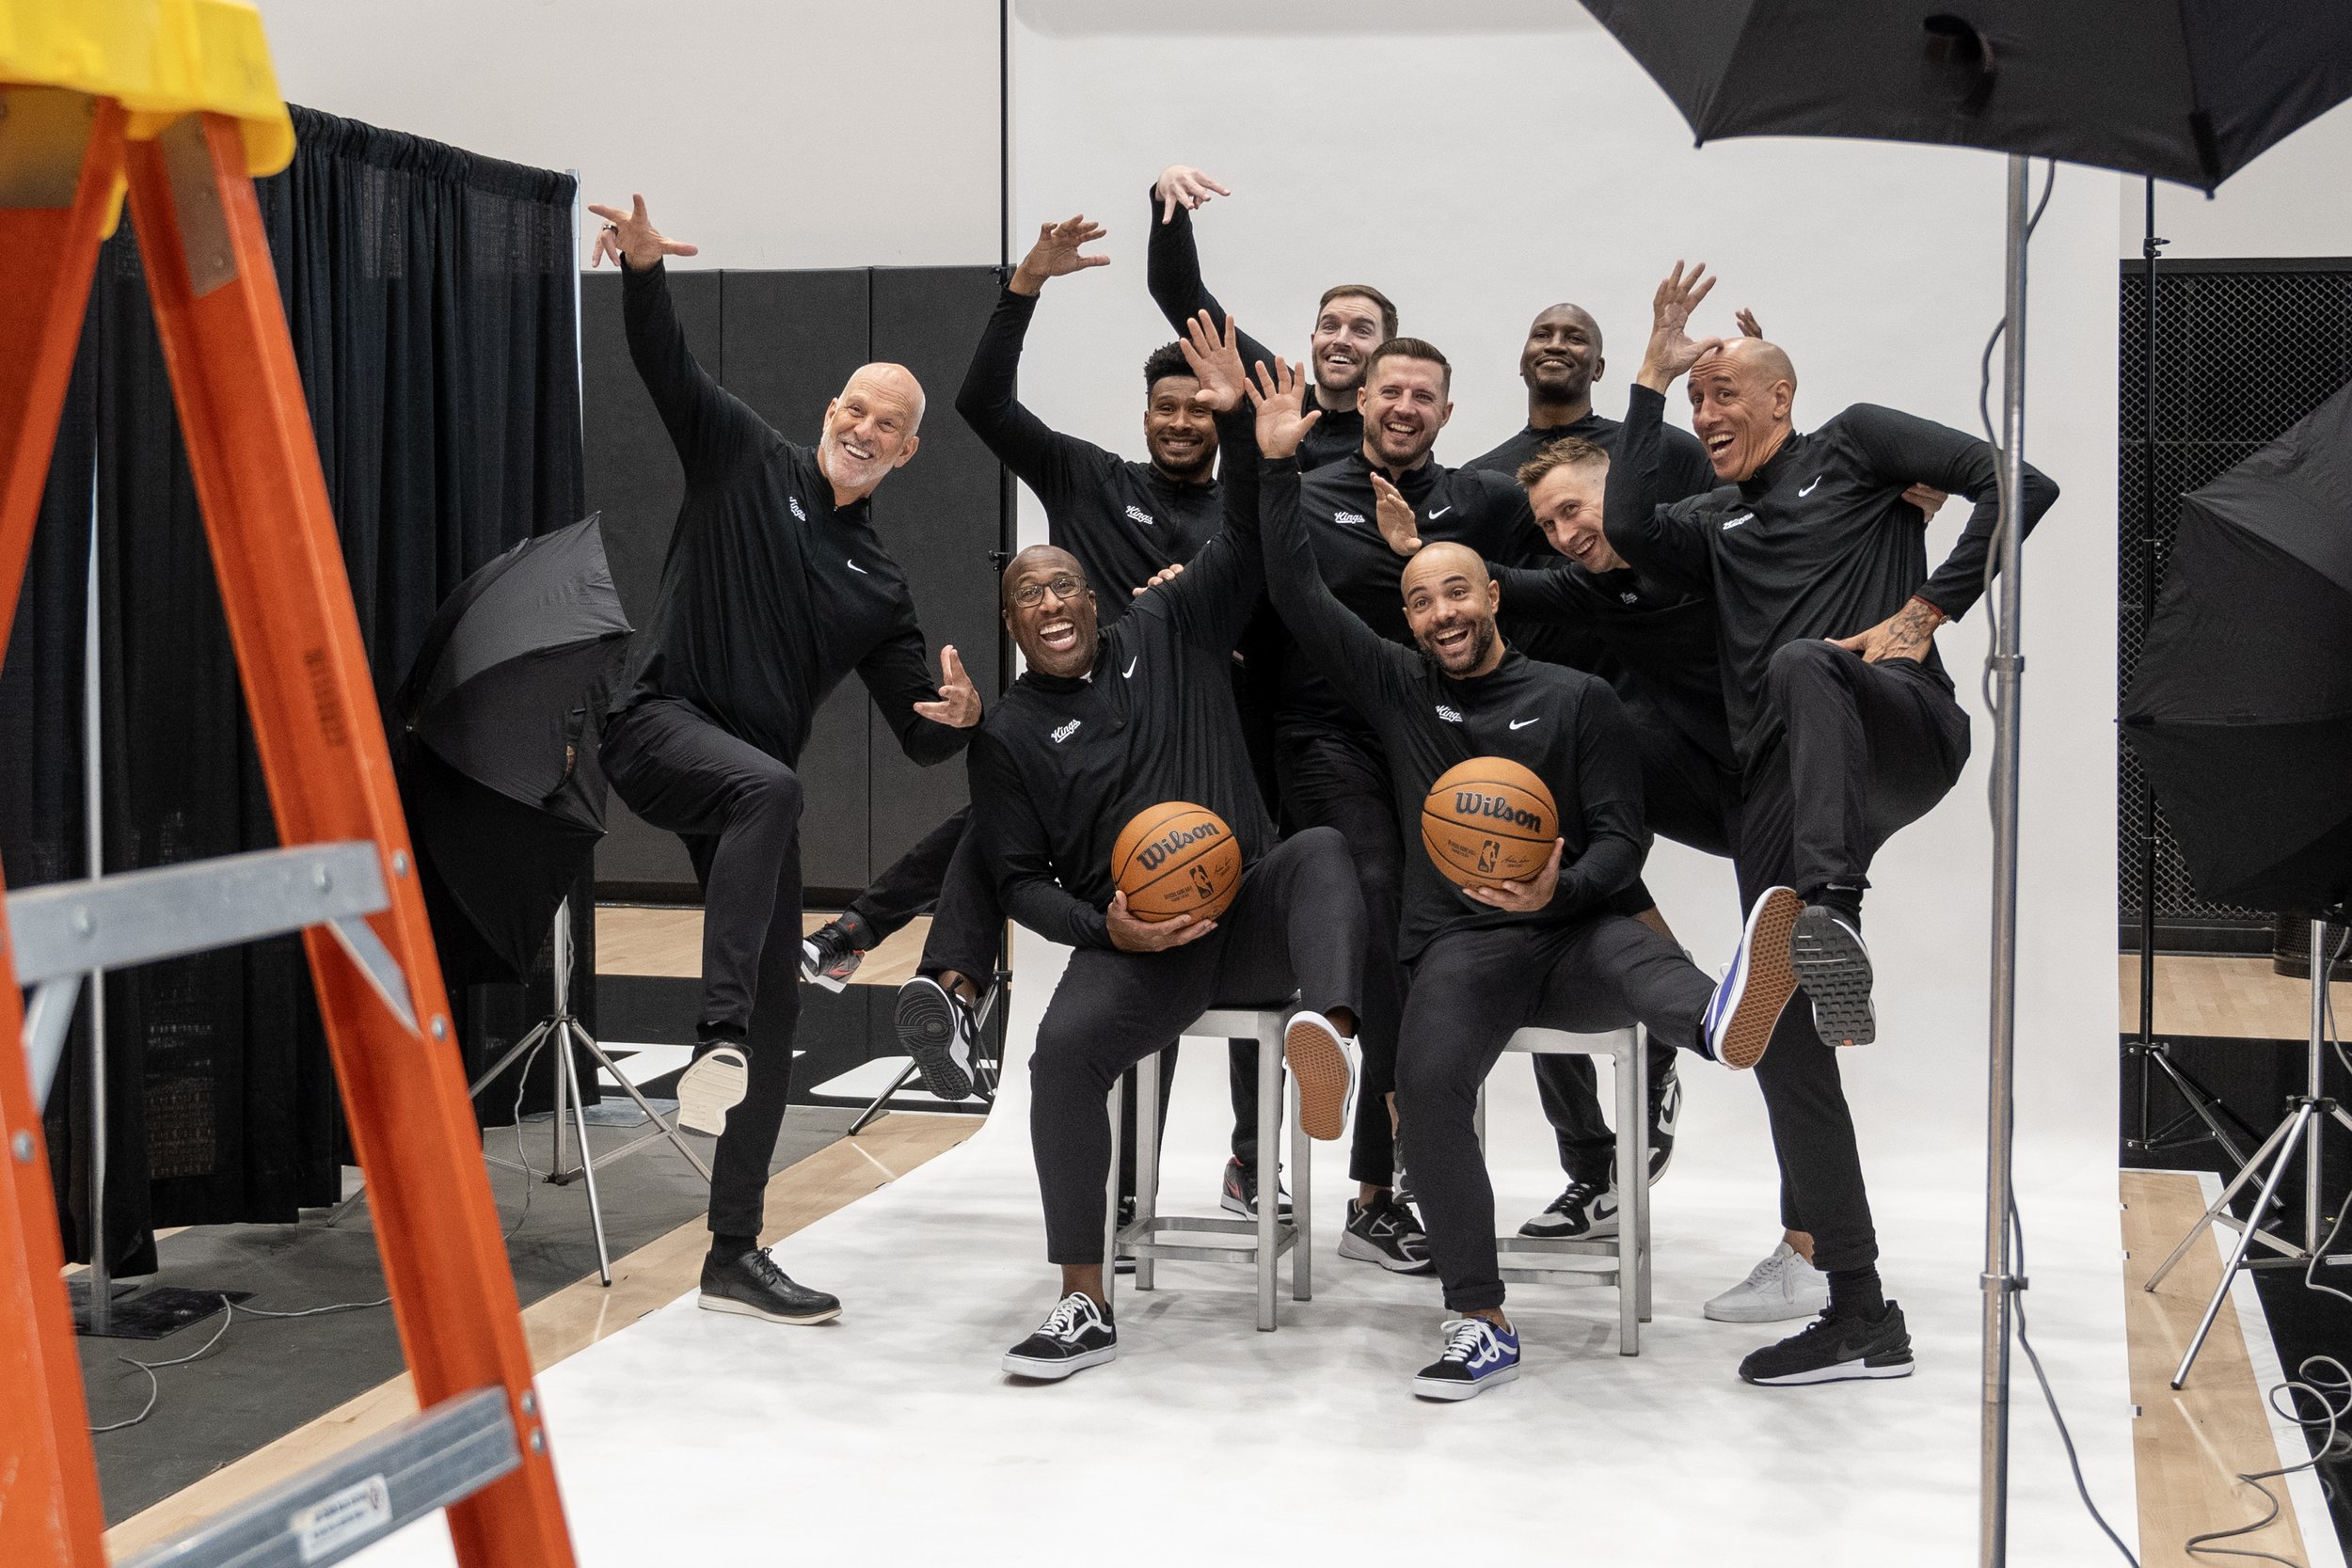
column 2187, row 90
column 2242, row 705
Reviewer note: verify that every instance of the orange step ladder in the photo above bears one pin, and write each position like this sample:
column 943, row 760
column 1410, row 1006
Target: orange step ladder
column 175, row 101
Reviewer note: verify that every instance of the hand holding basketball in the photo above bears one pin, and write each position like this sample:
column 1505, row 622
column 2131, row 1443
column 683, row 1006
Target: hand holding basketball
column 1130, row 935
column 1527, row 896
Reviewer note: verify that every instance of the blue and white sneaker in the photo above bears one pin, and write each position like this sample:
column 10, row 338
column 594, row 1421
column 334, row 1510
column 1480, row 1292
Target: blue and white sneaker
column 1748, row 1000
column 1477, row 1356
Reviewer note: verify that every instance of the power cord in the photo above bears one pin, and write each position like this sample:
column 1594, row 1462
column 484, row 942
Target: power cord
column 2332, row 1397
column 2074, row 1461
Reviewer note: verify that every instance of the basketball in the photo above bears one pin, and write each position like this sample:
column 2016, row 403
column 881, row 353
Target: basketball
column 1488, row 820
column 1177, row 858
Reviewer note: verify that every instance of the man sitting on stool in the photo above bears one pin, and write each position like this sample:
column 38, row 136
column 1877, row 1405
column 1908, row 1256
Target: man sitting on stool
column 1103, row 725
column 775, row 587
column 1486, row 962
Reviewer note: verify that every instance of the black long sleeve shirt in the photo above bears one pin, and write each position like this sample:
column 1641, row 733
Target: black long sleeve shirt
column 1682, row 467
column 771, row 595
column 1064, row 763
column 1339, row 508
column 1124, row 521
column 1564, row 725
column 1172, row 272
column 1817, row 543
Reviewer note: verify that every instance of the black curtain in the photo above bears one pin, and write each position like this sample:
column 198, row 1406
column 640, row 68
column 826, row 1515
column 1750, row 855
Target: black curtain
column 431, row 297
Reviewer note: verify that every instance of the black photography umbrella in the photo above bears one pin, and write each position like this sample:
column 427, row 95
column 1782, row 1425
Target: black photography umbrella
column 495, row 746
column 2242, row 706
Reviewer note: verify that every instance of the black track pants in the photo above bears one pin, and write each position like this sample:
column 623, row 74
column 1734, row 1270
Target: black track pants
column 912, row 883
column 738, row 810
column 1470, row 990
column 1297, row 925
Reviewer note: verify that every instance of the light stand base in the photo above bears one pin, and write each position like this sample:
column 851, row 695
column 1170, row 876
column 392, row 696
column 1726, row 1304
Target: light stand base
column 986, row 1064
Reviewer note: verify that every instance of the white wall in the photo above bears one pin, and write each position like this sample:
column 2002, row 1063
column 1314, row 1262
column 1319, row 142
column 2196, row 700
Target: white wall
column 2296, row 199
column 772, row 133
column 1532, row 160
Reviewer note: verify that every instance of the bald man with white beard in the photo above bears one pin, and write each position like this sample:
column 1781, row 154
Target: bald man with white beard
column 774, row 588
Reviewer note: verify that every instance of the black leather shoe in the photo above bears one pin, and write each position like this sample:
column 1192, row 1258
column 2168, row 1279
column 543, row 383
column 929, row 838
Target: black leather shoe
column 751, row 1285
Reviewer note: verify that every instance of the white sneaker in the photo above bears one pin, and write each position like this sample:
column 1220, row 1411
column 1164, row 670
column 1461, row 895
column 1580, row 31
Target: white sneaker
column 712, row 1086
column 1783, row 1286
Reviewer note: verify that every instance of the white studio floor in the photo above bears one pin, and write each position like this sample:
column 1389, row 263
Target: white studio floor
column 891, row 1436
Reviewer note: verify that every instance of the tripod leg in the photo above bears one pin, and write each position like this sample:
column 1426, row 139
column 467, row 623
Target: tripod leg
column 2292, row 1128
column 668, row 1129
column 2213, row 1210
column 564, row 1076
column 537, row 1032
column 881, row 1102
column 2202, row 1103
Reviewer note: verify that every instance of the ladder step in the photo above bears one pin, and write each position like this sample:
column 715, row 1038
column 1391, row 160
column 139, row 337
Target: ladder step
column 140, row 916
column 327, row 1512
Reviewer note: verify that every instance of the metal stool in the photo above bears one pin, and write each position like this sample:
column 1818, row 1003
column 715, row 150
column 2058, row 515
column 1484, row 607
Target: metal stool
column 1275, row 1235
column 1549, row 1257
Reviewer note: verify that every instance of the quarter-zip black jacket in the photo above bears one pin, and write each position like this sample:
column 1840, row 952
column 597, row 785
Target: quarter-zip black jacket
column 1338, row 509
column 1654, row 645
column 1564, row 724
column 1172, row 272
column 1124, row 521
column 1682, row 468
column 771, row 595
column 1062, row 764
column 1817, row 543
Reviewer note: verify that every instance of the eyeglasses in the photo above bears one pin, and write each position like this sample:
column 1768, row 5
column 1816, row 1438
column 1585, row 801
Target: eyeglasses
column 1031, row 594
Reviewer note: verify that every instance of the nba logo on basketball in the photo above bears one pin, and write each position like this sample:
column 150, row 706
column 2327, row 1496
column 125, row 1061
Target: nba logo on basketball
column 1487, row 851
column 1202, row 884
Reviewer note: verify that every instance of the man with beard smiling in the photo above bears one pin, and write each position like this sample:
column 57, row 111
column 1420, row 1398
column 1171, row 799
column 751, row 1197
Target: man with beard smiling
column 1486, row 962
column 1560, row 361
column 775, row 587
column 1351, row 319
column 1841, row 718
column 1105, row 723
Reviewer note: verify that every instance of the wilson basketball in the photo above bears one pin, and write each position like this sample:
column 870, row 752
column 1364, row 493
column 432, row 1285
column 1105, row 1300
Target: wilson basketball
column 1488, row 820
column 1174, row 859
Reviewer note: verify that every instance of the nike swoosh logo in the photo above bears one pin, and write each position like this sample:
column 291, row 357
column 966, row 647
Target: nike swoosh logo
column 1522, row 723
column 855, row 567
column 1810, row 488
column 1440, row 513
column 1130, row 670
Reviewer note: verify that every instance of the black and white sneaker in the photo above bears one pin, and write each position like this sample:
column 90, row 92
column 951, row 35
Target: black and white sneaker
column 829, row 955
column 1477, row 1356
column 1748, row 1000
column 1834, row 1348
column 1665, row 1115
column 1587, row 1211
column 1240, row 1195
column 1075, row 1336
column 1386, row 1233
column 1834, row 969
column 751, row 1286
column 937, row 1027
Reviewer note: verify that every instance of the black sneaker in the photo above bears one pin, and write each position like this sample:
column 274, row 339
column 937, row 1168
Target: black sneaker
column 1833, row 968
column 936, row 1028
column 1586, row 1211
column 1665, row 1115
column 1124, row 1262
column 1240, row 1195
column 829, row 955
column 1386, row 1233
column 1832, row 1349
column 751, row 1286
column 1075, row 1336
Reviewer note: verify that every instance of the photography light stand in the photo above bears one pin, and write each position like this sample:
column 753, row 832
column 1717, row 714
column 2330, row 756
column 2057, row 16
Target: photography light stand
column 2299, row 1134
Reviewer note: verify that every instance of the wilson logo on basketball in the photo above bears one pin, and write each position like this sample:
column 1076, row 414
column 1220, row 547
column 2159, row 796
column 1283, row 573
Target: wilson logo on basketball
column 1158, row 852
column 1471, row 803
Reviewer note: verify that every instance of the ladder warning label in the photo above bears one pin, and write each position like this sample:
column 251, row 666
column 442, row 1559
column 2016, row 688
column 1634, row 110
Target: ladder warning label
column 335, row 1521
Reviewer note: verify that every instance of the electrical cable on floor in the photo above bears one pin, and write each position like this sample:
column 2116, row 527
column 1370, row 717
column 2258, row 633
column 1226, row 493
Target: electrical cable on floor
column 2074, row 1461
column 2333, row 1398
column 531, row 1178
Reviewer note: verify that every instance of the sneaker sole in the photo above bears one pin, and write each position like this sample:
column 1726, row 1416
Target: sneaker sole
column 708, row 1090
column 1834, row 969
column 1769, row 982
column 1789, row 1312
column 745, row 1309
column 1446, row 1389
column 1320, row 1063
column 926, row 1023
column 1604, row 1230
column 1353, row 1245
column 1845, row 1371
column 1232, row 1205
column 1054, row 1372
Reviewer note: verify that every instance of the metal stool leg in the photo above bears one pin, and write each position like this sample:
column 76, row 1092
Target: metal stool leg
column 1632, row 1180
column 1641, row 1151
column 1110, row 1200
column 1147, row 1160
column 1269, row 1215
column 1270, row 1081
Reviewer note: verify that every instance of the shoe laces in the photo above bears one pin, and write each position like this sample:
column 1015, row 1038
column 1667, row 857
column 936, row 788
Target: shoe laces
column 1772, row 1267
column 1467, row 1340
column 1063, row 1321
column 1578, row 1195
column 762, row 1267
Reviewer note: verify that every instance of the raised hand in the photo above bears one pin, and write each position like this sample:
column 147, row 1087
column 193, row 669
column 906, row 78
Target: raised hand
column 1394, row 515
column 1056, row 253
column 1215, row 360
column 1279, row 395
column 1672, row 350
column 1165, row 574
column 631, row 234
column 1745, row 319
column 1130, row 935
column 1182, row 185
column 1527, row 896
column 959, row 704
